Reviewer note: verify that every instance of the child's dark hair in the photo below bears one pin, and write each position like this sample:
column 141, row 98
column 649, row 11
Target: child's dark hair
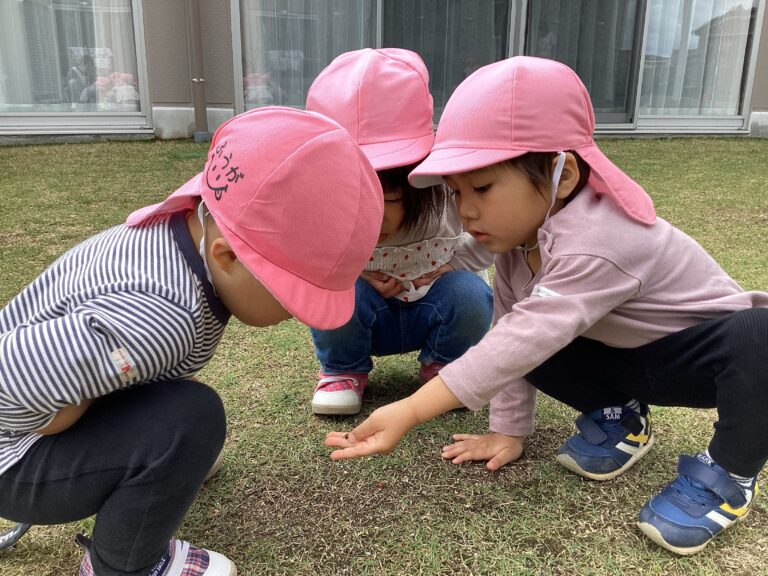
column 420, row 207
column 538, row 167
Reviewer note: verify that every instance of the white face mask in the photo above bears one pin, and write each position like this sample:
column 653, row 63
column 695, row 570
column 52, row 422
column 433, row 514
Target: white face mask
column 555, row 183
column 201, row 249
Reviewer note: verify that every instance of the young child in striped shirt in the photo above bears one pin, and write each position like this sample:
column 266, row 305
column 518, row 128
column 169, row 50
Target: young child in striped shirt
column 100, row 413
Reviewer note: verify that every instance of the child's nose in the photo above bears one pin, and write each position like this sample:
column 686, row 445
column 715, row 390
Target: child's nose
column 465, row 207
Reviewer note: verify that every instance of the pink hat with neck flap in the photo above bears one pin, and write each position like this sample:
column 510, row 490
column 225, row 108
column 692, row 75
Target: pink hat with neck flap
column 297, row 201
column 382, row 98
column 519, row 105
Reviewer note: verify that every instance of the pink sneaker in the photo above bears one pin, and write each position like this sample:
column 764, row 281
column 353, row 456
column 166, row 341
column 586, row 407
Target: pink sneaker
column 339, row 394
column 429, row 371
column 182, row 559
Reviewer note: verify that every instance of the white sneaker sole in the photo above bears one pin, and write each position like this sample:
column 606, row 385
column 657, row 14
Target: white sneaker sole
column 220, row 565
column 653, row 533
column 339, row 403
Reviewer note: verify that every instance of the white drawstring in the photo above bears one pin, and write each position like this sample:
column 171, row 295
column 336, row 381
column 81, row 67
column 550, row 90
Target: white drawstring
column 201, row 249
column 555, row 183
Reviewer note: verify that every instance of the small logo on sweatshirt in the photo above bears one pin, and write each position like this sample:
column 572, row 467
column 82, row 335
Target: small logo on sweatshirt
column 543, row 292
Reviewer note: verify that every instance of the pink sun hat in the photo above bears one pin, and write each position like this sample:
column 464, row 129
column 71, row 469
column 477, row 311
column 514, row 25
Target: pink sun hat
column 519, row 105
column 297, row 201
column 382, row 98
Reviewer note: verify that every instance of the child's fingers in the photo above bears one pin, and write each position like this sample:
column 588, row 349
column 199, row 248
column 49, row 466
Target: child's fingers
column 502, row 458
column 340, row 439
column 356, row 451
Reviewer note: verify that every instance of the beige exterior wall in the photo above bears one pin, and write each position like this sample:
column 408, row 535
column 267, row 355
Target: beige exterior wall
column 169, row 66
column 760, row 86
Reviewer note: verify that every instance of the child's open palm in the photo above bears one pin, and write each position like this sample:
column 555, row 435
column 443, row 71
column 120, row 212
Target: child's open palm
column 378, row 434
column 497, row 449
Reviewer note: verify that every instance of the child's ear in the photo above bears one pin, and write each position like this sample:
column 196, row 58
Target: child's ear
column 569, row 177
column 221, row 255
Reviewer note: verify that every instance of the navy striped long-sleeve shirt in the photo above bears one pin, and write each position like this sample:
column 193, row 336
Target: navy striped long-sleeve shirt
column 127, row 306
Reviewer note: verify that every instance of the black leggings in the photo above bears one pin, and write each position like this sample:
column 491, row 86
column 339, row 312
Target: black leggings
column 136, row 459
column 721, row 363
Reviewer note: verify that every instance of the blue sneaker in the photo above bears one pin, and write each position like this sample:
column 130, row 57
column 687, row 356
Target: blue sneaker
column 609, row 441
column 696, row 506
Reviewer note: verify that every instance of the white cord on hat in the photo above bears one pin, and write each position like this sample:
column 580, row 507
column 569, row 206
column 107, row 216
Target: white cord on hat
column 555, row 183
column 201, row 249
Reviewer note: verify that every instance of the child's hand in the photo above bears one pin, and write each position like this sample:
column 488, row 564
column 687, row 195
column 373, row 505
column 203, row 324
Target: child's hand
column 65, row 418
column 378, row 434
column 497, row 449
column 385, row 285
column 432, row 276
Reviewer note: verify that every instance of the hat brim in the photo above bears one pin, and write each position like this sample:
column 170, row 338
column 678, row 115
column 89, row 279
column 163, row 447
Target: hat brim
column 183, row 198
column 607, row 178
column 385, row 155
column 446, row 161
column 316, row 307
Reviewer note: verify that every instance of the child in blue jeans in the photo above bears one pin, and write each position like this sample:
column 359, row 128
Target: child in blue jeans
column 597, row 303
column 425, row 286
column 100, row 413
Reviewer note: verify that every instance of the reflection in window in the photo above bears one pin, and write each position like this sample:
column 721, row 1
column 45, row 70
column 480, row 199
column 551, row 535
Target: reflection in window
column 286, row 43
column 695, row 56
column 596, row 38
column 453, row 37
column 67, row 56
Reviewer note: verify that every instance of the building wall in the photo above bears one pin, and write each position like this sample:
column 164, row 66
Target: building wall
column 169, row 66
column 760, row 86
column 759, row 103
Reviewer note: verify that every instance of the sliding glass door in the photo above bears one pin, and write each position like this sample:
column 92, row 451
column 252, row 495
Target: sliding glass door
column 601, row 41
column 696, row 57
column 68, row 56
column 648, row 64
column 454, row 37
column 286, row 43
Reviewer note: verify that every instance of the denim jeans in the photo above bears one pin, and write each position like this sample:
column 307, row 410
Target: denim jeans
column 136, row 459
column 451, row 317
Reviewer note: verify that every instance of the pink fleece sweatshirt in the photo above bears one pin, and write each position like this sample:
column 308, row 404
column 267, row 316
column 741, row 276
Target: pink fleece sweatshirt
column 603, row 276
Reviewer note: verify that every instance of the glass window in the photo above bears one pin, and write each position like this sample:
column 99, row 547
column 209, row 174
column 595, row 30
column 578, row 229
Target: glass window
column 454, row 37
column 695, row 56
column 600, row 40
column 68, row 56
column 286, row 43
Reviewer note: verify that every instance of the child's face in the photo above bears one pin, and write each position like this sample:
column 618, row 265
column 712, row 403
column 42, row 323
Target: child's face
column 247, row 298
column 499, row 206
column 393, row 213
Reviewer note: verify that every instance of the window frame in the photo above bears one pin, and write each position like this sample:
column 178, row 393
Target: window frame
column 85, row 123
column 641, row 124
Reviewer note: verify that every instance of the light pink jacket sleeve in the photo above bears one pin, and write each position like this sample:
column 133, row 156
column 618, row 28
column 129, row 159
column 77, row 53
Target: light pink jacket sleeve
column 568, row 296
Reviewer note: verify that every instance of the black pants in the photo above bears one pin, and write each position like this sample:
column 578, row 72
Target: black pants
column 136, row 459
column 721, row 363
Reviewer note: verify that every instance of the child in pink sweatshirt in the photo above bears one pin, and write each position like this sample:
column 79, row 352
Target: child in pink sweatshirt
column 597, row 303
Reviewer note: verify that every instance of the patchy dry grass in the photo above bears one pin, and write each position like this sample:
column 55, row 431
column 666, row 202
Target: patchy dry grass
column 281, row 506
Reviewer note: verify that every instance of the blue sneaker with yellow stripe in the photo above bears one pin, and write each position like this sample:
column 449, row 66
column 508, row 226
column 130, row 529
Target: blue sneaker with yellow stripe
column 608, row 442
column 700, row 503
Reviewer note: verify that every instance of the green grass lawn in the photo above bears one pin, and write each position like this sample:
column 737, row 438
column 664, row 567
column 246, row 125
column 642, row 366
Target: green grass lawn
column 281, row 506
